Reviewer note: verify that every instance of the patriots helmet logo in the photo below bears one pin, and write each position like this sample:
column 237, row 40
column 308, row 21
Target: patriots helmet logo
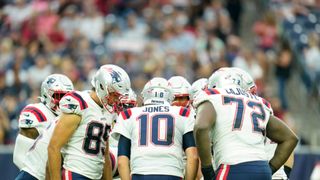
column 51, row 81
column 116, row 78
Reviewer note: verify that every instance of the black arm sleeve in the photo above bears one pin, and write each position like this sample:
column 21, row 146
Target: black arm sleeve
column 188, row 140
column 124, row 146
column 208, row 173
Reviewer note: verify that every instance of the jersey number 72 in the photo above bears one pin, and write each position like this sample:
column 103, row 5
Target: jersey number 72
column 255, row 116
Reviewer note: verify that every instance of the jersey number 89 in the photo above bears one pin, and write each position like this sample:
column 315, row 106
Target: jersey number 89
column 96, row 132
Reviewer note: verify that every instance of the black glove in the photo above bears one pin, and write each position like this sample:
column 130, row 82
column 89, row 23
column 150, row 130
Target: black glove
column 208, row 172
column 287, row 170
column 273, row 170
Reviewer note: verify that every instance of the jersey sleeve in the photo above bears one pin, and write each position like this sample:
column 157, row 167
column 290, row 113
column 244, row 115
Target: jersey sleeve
column 72, row 103
column 122, row 126
column 267, row 106
column 31, row 117
column 200, row 97
column 189, row 117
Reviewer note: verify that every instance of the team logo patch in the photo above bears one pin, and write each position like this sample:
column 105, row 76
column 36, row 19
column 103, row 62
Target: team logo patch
column 70, row 106
column 27, row 122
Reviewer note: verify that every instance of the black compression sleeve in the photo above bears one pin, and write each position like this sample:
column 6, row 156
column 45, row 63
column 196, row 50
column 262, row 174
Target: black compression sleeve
column 124, row 146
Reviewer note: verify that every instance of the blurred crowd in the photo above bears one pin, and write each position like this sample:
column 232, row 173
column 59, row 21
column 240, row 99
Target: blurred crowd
column 151, row 38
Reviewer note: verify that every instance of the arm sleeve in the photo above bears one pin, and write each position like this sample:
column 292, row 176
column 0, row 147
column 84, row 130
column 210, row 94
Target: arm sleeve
column 188, row 140
column 124, row 146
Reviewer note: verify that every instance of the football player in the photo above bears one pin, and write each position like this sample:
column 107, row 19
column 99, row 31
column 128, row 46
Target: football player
column 237, row 122
column 197, row 86
column 153, row 137
column 36, row 157
column 270, row 147
column 82, row 130
column 128, row 101
column 181, row 91
column 35, row 117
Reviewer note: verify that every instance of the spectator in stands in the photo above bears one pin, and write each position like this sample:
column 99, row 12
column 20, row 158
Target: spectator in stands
column 4, row 126
column 246, row 60
column 39, row 71
column 312, row 59
column 217, row 18
column 283, row 71
column 266, row 31
column 235, row 8
column 91, row 24
column 17, row 13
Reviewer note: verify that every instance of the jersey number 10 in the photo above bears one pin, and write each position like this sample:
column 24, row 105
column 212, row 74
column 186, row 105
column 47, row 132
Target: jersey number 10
column 146, row 122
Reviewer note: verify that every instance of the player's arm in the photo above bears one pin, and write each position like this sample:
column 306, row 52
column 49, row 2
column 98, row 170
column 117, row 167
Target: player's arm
column 28, row 121
column 280, row 133
column 107, row 169
column 205, row 120
column 124, row 149
column 31, row 133
column 289, row 164
column 192, row 156
column 64, row 129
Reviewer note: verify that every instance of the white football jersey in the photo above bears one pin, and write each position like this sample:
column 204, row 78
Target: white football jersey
column 32, row 116
column 36, row 116
column 84, row 152
column 270, row 149
column 156, row 134
column 239, row 132
column 37, row 156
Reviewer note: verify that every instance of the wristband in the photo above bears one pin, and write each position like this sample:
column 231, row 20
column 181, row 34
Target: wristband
column 287, row 170
column 208, row 172
column 273, row 169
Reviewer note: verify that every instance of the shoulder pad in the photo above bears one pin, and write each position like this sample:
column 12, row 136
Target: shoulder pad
column 30, row 116
column 211, row 91
column 267, row 105
column 185, row 112
column 72, row 103
column 126, row 114
column 199, row 98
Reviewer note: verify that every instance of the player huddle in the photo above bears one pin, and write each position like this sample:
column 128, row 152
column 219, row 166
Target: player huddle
column 216, row 128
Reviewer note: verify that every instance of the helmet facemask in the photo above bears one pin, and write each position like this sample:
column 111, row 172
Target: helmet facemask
column 111, row 84
column 53, row 88
column 181, row 90
column 183, row 101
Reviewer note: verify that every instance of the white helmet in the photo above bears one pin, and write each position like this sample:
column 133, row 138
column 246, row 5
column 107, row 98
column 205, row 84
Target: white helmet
column 128, row 101
column 157, row 91
column 227, row 76
column 248, row 82
column 53, row 88
column 180, row 88
column 198, row 85
column 111, row 83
